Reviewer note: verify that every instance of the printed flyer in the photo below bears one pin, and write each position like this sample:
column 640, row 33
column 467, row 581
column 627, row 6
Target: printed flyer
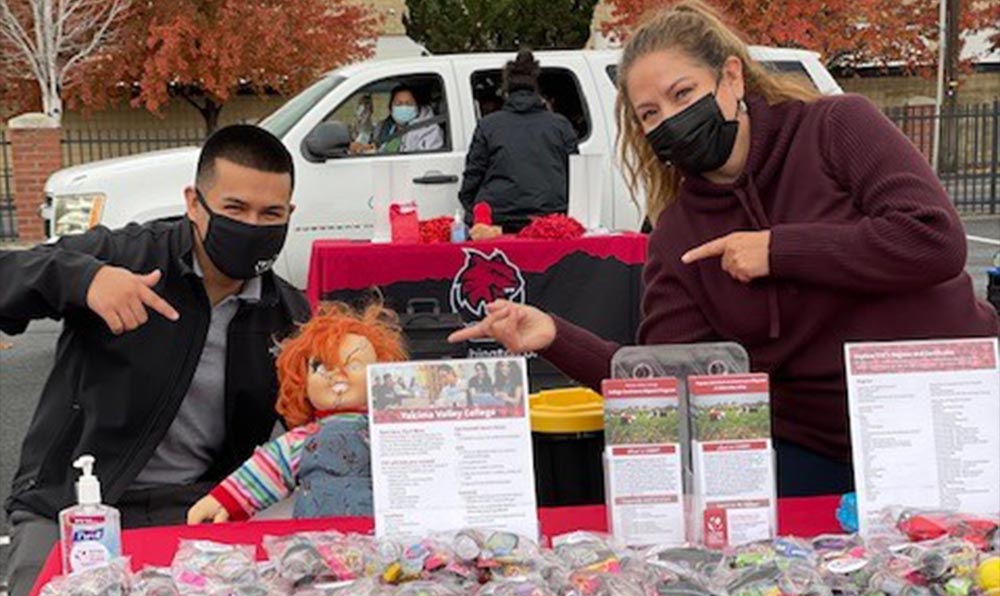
column 644, row 479
column 735, row 488
column 925, row 426
column 451, row 447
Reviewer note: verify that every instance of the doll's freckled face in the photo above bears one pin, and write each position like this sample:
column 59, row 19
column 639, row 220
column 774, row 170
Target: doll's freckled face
column 342, row 386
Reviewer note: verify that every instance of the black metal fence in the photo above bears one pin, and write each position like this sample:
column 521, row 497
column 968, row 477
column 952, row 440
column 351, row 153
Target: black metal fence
column 82, row 146
column 8, row 217
column 968, row 153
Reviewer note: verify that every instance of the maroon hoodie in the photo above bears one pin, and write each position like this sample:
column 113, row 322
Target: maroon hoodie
column 865, row 246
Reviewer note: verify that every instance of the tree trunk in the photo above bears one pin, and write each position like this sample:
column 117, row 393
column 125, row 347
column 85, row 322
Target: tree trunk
column 51, row 102
column 208, row 108
column 47, row 46
column 210, row 112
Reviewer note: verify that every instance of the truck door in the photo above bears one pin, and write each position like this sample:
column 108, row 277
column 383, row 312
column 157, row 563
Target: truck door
column 334, row 196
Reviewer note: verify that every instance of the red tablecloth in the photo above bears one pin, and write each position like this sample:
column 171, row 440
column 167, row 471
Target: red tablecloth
column 156, row 546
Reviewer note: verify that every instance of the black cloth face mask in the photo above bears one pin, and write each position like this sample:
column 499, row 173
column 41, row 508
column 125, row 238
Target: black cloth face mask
column 697, row 139
column 241, row 250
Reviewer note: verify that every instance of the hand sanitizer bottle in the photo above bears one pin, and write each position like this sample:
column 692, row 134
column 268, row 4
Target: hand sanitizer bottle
column 458, row 231
column 90, row 533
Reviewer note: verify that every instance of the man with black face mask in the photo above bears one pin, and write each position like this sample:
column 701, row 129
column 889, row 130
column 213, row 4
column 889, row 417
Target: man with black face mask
column 164, row 370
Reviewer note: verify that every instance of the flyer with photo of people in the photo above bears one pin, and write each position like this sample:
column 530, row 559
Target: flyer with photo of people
column 451, row 446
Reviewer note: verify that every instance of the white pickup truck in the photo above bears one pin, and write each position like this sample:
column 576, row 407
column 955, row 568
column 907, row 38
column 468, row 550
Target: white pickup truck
column 334, row 195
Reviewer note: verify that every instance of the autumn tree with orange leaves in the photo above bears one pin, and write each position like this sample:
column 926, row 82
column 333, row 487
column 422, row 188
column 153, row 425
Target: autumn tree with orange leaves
column 847, row 33
column 203, row 52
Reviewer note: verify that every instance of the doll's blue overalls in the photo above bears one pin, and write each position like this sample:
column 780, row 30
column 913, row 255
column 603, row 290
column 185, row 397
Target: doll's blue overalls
column 335, row 473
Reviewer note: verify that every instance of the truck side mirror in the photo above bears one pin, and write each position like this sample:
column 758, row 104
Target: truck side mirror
column 329, row 140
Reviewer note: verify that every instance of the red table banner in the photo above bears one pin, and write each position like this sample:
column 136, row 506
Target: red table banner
column 595, row 282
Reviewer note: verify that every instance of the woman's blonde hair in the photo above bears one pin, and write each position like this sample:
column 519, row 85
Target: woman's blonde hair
column 698, row 30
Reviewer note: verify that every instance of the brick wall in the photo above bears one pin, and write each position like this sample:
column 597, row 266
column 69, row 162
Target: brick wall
column 35, row 153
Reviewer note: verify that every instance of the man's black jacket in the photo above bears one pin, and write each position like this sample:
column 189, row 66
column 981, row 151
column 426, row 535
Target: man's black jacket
column 114, row 397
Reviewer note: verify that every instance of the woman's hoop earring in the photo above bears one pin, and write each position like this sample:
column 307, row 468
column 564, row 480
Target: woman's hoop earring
column 741, row 105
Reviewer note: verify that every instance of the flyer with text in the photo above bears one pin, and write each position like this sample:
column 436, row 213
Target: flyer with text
column 643, row 461
column 735, row 484
column 451, row 447
column 925, row 426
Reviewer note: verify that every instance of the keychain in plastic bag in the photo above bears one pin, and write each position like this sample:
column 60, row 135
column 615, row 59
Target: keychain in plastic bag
column 204, row 567
column 154, row 581
column 112, row 579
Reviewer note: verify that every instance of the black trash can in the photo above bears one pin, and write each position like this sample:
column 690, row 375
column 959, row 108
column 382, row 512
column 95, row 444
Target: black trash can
column 567, row 434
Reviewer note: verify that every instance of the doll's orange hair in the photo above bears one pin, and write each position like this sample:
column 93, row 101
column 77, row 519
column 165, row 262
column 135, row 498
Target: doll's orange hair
column 320, row 338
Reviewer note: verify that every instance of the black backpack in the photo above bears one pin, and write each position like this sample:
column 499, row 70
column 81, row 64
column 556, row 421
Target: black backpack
column 427, row 329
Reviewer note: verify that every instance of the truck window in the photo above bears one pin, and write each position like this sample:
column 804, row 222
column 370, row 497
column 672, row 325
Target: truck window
column 284, row 118
column 790, row 68
column 368, row 115
column 559, row 88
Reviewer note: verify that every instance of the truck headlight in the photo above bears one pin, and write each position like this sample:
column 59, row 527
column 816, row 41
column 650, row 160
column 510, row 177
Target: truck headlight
column 75, row 214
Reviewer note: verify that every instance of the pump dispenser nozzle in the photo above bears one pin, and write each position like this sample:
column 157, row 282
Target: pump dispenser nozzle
column 88, row 488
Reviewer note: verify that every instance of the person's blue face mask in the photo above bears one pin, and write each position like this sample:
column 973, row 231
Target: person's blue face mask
column 404, row 114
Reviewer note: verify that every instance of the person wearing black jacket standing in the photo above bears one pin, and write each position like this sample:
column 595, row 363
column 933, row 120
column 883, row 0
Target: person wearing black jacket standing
column 165, row 366
column 518, row 161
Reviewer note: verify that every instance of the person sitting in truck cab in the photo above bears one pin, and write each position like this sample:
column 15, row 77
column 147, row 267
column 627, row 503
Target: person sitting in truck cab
column 409, row 127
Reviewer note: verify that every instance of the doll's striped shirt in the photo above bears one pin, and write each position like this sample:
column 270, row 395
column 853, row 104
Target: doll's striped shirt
column 270, row 475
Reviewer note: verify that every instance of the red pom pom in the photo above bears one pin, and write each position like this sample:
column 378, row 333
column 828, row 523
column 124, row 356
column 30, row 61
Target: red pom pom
column 435, row 230
column 553, row 227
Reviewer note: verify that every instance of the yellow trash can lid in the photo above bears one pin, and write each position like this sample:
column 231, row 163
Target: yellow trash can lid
column 572, row 410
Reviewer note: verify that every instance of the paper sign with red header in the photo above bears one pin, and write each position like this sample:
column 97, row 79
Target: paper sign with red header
column 925, row 426
column 643, row 470
column 735, row 491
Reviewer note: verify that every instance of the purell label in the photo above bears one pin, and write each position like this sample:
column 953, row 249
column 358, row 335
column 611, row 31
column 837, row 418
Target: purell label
column 88, row 534
column 91, row 542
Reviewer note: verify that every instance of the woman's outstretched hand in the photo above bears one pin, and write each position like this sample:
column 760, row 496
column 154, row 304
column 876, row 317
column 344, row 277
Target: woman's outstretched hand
column 519, row 327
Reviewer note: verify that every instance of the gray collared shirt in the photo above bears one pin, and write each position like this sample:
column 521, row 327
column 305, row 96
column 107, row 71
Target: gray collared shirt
column 198, row 431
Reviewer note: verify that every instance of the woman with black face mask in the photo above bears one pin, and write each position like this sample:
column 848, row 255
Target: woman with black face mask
column 785, row 221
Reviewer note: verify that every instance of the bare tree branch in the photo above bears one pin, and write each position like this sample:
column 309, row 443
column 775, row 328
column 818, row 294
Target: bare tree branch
column 53, row 38
column 68, row 8
column 82, row 25
column 11, row 28
column 116, row 9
